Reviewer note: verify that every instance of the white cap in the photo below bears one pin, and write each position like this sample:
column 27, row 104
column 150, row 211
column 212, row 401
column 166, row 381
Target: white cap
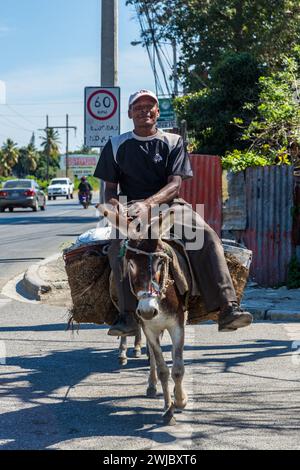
column 139, row 94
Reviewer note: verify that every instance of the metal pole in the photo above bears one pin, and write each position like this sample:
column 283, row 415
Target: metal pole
column 67, row 145
column 47, row 151
column 175, row 74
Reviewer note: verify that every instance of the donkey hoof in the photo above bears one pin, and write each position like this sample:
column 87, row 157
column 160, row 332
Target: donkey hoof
column 123, row 361
column 169, row 420
column 168, row 417
column 151, row 392
column 137, row 353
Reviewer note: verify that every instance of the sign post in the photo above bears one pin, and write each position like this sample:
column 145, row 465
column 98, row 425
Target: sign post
column 102, row 115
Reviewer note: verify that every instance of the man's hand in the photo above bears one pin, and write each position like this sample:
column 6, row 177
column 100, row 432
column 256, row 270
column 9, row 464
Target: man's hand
column 118, row 207
column 140, row 210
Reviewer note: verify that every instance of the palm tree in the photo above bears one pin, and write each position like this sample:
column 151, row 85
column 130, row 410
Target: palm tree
column 32, row 154
column 50, row 143
column 51, row 149
column 32, row 157
column 9, row 157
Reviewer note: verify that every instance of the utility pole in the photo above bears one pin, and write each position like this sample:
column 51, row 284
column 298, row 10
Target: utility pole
column 66, row 127
column 67, row 145
column 109, row 43
column 47, row 151
column 175, row 73
column 109, row 54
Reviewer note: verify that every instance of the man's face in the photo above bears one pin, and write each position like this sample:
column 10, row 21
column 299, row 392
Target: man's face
column 144, row 112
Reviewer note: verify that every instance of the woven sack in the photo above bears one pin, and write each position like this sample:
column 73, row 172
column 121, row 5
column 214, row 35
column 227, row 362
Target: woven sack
column 88, row 272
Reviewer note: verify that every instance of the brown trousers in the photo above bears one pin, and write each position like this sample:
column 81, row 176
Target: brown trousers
column 208, row 263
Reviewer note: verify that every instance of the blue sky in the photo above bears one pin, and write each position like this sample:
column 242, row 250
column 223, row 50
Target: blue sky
column 50, row 50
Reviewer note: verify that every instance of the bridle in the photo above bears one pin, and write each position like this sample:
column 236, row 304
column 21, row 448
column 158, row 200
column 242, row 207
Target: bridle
column 156, row 290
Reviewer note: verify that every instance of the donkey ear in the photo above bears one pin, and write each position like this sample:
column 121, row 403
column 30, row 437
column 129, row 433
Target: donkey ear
column 161, row 225
column 117, row 221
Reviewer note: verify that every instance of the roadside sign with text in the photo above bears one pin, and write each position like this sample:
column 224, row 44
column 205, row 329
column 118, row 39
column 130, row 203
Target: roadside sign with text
column 101, row 116
column 167, row 118
column 80, row 164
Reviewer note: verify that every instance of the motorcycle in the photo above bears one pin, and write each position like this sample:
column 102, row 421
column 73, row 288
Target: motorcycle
column 85, row 199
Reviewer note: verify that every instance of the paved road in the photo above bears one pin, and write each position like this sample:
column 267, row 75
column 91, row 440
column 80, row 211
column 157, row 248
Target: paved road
column 60, row 391
column 27, row 237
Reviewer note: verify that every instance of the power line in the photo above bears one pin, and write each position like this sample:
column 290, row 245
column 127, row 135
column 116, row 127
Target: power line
column 42, row 103
column 19, row 114
column 147, row 16
column 14, row 125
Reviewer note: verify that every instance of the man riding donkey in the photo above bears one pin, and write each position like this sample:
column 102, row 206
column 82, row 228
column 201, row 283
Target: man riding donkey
column 149, row 166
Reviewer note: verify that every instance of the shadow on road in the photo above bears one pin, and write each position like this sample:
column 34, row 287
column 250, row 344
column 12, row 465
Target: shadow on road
column 76, row 413
column 42, row 425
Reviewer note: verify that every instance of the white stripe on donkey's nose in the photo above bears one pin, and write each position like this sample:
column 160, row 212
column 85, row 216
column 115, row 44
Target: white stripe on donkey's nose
column 147, row 307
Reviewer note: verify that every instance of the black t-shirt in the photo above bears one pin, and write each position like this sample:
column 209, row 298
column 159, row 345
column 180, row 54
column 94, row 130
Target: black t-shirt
column 141, row 165
column 85, row 187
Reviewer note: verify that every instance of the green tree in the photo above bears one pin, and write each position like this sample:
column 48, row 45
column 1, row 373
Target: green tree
column 49, row 157
column 50, row 143
column 211, row 113
column 206, row 30
column 28, row 159
column 273, row 136
column 8, row 157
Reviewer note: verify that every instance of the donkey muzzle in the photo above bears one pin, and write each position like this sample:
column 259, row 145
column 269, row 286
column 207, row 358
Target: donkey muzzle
column 147, row 308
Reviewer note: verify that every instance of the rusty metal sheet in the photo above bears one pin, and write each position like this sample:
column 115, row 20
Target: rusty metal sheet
column 234, row 210
column 296, row 210
column 206, row 188
column 269, row 192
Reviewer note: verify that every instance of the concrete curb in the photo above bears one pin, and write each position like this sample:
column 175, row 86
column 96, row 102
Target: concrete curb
column 32, row 283
column 34, row 286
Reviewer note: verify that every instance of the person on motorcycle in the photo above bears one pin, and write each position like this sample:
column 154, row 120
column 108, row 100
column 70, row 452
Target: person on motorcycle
column 85, row 188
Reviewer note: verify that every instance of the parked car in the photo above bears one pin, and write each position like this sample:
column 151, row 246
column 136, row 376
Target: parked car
column 22, row 193
column 60, row 187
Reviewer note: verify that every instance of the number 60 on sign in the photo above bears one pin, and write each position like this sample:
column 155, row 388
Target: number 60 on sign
column 102, row 115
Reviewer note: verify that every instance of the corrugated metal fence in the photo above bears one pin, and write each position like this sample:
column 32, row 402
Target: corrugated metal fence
column 206, row 188
column 265, row 194
column 269, row 196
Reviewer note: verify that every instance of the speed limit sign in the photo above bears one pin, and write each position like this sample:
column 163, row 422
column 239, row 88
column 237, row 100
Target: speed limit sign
column 102, row 115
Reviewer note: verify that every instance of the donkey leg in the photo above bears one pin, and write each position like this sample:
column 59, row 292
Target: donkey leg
column 177, row 335
column 137, row 352
column 123, row 351
column 152, row 382
column 163, row 375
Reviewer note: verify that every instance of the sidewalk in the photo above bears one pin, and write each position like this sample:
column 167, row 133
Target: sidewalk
column 47, row 282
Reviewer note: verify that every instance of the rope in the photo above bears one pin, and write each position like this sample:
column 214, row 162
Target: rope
column 161, row 290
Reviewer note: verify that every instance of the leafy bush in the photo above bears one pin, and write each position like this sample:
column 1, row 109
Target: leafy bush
column 238, row 160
